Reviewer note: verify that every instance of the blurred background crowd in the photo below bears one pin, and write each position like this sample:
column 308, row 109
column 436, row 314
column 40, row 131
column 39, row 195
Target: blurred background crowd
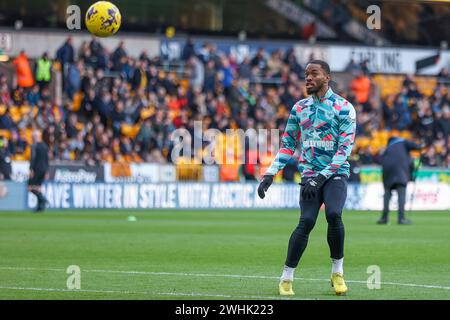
column 116, row 107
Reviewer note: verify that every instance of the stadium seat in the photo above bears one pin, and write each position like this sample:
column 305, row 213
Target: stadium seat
column 15, row 114
column 77, row 99
column 186, row 169
column 229, row 172
column 147, row 112
column 5, row 133
column 129, row 130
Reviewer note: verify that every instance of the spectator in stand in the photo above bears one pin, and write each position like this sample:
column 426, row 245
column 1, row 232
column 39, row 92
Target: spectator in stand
column 260, row 60
column 66, row 53
column 33, row 96
column 188, row 50
column 141, row 105
column 141, row 75
column 5, row 160
column 226, row 73
column 66, row 56
column 96, row 47
column 5, row 97
column 103, row 61
column 353, row 67
column 274, row 64
column 196, row 72
column 309, row 32
column 118, row 56
column 444, row 73
column 401, row 110
column 365, row 67
column 360, row 87
column 291, row 62
column 5, row 119
column 43, row 71
column 74, row 78
column 23, row 71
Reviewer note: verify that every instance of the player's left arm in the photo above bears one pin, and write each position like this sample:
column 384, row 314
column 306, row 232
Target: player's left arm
column 346, row 139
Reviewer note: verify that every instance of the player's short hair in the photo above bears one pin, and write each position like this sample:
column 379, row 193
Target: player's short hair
column 323, row 64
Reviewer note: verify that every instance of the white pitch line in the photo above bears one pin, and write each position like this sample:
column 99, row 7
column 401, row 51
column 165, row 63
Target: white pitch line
column 179, row 294
column 150, row 273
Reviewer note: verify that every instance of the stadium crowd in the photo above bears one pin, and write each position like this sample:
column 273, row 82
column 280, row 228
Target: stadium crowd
column 121, row 108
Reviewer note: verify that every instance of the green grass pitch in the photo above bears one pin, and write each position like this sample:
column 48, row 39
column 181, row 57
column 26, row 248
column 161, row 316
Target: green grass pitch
column 221, row 254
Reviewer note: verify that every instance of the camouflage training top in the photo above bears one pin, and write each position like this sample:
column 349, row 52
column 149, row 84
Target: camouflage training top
column 325, row 129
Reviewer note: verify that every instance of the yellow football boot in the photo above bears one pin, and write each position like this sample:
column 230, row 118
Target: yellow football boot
column 285, row 288
column 338, row 283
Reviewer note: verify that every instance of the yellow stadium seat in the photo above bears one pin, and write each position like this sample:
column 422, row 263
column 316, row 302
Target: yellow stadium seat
column 415, row 154
column 5, row 133
column 25, row 109
column 19, row 157
column 147, row 112
column 27, row 135
column 57, row 66
column 374, row 150
column 406, row 134
column 184, row 83
column 27, row 152
column 392, row 84
column 363, row 142
column 77, row 99
column 186, row 169
column 229, row 172
column 79, row 126
column 15, row 113
column 129, row 130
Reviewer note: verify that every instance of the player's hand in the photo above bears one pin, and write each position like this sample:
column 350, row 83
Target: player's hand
column 31, row 174
column 264, row 185
column 312, row 186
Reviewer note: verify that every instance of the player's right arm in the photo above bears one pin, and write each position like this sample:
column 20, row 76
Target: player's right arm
column 288, row 143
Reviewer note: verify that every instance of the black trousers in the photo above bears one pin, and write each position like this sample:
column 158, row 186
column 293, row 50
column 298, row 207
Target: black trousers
column 333, row 194
column 37, row 179
column 401, row 192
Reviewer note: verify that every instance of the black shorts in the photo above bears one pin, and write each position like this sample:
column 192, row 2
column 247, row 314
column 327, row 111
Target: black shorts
column 38, row 179
column 333, row 194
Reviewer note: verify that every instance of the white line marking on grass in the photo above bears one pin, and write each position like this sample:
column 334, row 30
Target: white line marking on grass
column 179, row 294
column 150, row 273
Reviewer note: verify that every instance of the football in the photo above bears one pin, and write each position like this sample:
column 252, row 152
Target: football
column 103, row 19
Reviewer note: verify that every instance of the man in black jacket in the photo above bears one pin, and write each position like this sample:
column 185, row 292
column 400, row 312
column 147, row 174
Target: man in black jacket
column 397, row 169
column 39, row 164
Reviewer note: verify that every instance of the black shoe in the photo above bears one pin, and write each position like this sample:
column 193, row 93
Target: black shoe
column 382, row 221
column 404, row 221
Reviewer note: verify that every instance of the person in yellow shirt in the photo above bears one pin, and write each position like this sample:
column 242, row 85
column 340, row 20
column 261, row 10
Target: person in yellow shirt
column 43, row 71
